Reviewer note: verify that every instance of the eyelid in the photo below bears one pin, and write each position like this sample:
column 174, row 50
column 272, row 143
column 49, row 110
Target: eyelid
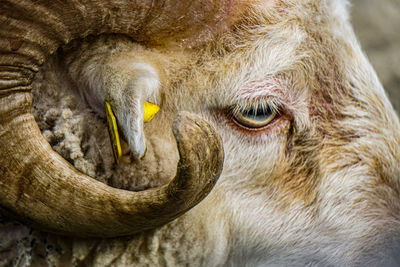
column 246, row 113
column 253, row 123
column 253, row 102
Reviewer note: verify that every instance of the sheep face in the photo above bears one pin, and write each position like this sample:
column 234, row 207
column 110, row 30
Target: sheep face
column 311, row 170
column 308, row 181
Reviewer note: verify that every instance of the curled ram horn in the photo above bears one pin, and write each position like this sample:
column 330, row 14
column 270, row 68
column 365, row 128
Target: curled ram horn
column 38, row 185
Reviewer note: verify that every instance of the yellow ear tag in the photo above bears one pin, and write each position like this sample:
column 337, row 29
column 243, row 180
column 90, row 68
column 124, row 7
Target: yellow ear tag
column 150, row 110
column 113, row 131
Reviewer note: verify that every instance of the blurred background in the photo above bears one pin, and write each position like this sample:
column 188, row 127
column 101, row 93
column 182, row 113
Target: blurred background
column 377, row 25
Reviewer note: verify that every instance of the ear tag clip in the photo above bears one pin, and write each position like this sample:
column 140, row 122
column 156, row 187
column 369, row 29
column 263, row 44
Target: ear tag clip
column 149, row 111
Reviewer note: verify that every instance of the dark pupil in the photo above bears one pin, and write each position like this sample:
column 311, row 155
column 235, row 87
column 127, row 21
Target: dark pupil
column 260, row 112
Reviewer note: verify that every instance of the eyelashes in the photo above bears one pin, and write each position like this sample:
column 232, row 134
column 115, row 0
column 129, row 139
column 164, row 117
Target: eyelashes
column 256, row 114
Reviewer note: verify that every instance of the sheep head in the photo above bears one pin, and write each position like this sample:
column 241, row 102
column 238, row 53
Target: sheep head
column 310, row 139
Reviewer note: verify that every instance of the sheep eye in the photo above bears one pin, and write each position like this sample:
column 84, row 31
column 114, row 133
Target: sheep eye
column 255, row 115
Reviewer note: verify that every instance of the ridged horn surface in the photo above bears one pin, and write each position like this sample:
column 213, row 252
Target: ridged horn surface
column 36, row 184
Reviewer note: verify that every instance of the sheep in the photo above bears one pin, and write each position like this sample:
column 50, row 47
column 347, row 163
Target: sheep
column 311, row 167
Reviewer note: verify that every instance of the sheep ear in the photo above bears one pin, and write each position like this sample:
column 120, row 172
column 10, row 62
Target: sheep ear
column 149, row 111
